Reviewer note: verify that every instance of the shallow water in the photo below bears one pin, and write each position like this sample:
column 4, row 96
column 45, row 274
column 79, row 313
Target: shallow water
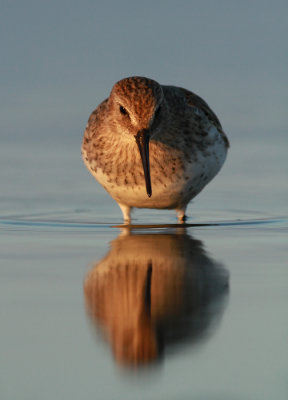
column 157, row 311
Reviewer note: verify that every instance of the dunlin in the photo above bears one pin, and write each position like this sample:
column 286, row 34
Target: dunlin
column 153, row 146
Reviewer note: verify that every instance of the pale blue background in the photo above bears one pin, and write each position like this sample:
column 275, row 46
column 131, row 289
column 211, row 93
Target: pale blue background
column 59, row 59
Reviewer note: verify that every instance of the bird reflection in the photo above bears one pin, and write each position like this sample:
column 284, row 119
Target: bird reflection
column 152, row 292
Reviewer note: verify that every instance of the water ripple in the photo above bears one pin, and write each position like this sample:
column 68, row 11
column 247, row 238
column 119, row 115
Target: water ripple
column 51, row 221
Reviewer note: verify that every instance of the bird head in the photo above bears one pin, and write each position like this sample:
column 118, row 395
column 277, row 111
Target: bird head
column 136, row 105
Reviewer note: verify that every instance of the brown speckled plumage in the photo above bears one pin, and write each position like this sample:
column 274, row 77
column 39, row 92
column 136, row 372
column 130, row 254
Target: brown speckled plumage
column 187, row 145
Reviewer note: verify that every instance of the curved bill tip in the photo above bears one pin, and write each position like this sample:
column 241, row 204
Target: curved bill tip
column 142, row 140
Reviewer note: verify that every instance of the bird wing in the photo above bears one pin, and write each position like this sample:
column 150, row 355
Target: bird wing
column 196, row 101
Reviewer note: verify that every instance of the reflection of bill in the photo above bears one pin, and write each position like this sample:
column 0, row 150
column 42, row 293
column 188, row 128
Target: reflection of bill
column 152, row 290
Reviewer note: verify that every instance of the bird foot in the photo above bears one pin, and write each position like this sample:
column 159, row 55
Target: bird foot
column 182, row 219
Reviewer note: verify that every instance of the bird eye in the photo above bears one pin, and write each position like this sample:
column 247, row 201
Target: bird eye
column 123, row 110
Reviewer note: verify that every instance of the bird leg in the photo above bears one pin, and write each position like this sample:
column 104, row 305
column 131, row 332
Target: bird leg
column 126, row 211
column 181, row 215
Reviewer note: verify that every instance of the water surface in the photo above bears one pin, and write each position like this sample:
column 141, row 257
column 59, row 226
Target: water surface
column 157, row 311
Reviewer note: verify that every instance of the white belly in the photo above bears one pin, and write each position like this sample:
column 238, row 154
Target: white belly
column 168, row 192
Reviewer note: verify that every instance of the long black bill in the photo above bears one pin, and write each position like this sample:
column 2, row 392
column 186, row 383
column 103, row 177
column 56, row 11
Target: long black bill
column 142, row 140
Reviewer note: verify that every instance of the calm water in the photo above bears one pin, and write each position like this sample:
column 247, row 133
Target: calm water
column 91, row 311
